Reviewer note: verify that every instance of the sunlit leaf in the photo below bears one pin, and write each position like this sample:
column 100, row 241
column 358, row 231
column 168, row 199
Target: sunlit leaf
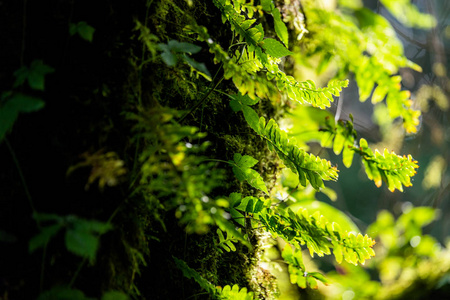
column 275, row 48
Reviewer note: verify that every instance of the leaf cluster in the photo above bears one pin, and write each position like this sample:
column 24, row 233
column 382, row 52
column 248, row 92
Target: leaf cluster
column 13, row 103
column 318, row 234
column 171, row 173
column 306, row 165
column 175, row 50
column 297, row 271
column 396, row 171
column 372, row 52
column 260, row 53
column 243, row 171
column 82, row 237
column 393, row 169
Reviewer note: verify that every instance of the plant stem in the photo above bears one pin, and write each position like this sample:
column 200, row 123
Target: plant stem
column 201, row 100
column 77, row 272
column 41, row 281
column 219, row 160
column 22, row 178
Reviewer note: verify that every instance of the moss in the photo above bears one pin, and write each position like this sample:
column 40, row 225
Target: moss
column 98, row 87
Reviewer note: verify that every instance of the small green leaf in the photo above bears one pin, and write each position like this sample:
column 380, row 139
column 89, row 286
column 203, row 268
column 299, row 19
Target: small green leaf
column 82, row 243
column 319, row 276
column 65, row 293
column 235, row 105
column 220, row 234
column 25, row 103
column 301, row 281
column 84, row 30
column 280, row 27
column 225, row 225
column 235, row 199
column 267, row 5
column 245, row 161
column 237, row 216
column 249, row 207
column 35, row 75
column 40, row 240
column 200, row 67
column 92, row 226
column 183, row 47
column 114, row 295
column 239, row 100
column 247, row 100
column 347, row 157
column 7, row 118
column 275, row 48
column 21, row 75
column 251, row 117
column 169, row 58
column 312, row 282
column 239, row 173
column 256, row 181
column 378, row 94
column 338, row 144
column 16, row 104
column 259, row 206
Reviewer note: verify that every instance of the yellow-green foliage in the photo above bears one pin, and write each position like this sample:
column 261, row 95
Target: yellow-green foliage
column 363, row 32
column 175, row 172
column 409, row 263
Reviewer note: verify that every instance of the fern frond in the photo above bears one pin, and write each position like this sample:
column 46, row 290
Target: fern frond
column 191, row 273
column 247, row 61
column 341, row 137
column 243, row 68
column 239, row 24
column 398, row 101
column 226, row 243
column 253, row 36
column 241, row 208
column 306, row 91
column 234, row 293
column 318, row 234
column 306, row 165
column 297, row 271
column 219, row 293
column 393, row 169
column 243, row 171
column 372, row 52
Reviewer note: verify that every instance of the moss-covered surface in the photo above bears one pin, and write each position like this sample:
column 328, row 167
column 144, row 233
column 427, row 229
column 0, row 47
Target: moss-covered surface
column 89, row 98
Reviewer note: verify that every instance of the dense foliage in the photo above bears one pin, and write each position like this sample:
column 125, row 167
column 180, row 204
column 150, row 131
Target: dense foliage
column 166, row 150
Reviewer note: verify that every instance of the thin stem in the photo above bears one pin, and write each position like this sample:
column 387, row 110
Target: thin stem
column 201, row 101
column 77, row 272
column 218, row 160
column 30, row 201
column 41, row 281
column 22, row 178
column 237, row 44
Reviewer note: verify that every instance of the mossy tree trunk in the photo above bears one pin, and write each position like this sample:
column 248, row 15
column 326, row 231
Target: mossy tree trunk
column 85, row 127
